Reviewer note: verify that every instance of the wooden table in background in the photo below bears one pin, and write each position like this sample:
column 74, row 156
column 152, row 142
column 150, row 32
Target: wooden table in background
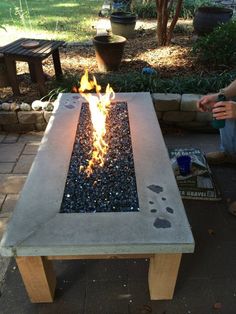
column 34, row 56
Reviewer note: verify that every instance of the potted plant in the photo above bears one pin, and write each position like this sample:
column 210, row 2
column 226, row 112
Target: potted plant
column 206, row 18
column 109, row 51
column 122, row 20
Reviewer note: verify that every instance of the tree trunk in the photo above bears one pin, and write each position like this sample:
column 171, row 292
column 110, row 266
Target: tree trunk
column 165, row 32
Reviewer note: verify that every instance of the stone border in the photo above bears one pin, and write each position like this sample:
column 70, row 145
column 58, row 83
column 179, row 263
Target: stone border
column 171, row 109
column 18, row 121
column 181, row 111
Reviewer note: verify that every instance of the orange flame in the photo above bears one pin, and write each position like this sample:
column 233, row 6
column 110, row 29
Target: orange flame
column 99, row 107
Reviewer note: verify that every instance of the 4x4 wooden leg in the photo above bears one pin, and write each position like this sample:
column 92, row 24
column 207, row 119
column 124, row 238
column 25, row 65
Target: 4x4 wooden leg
column 38, row 277
column 12, row 76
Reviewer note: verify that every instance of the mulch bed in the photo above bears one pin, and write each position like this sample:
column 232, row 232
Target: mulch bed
column 140, row 52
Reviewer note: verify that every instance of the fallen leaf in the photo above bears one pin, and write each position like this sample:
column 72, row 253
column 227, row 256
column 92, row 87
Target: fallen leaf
column 217, row 306
column 211, row 232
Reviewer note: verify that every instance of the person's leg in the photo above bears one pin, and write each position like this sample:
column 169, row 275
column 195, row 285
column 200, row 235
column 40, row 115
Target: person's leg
column 228, row 137
column 227, row 153
column 228, row 146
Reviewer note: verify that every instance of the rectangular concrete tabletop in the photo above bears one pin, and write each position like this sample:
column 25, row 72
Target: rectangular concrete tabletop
column 37, row 228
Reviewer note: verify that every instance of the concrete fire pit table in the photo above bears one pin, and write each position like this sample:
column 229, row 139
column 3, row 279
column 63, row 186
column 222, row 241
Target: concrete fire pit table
column 38, row 233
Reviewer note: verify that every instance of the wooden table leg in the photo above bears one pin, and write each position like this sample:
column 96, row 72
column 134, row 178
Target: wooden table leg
column 32, row 72
column 163, row 271
column 38, row 276
column 40, row 78
column 57, row 63
column 12, row 75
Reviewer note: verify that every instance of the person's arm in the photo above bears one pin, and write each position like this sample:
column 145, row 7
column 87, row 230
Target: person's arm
column 209, row 101
column 229, row 91
column 224, row 110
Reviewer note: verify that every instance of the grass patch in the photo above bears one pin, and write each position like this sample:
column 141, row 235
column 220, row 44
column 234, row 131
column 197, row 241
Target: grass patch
column 67, row 20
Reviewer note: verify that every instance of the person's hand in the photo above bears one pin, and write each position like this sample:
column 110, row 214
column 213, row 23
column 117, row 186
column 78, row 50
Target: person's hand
column 224, row 110
column 206, row 102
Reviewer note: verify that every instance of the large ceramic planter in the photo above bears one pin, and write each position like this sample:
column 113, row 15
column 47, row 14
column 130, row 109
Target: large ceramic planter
column 207, row 18
column 109, row 51
column 123, row 24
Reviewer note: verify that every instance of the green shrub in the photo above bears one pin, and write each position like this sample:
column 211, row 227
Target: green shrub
column 149, row 11
column 190, row 6
column 137, row 82
column 219, row 47
column 183, row 29
column 146, row 11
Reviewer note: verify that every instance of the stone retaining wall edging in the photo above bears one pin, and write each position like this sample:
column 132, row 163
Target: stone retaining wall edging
column 24, row 121
column 171, row 109
column 181, row 111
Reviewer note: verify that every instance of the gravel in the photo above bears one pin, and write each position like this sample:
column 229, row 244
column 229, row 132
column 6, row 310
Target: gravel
column 111, row 188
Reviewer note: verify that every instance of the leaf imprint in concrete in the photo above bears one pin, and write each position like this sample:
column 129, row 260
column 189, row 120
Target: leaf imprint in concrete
column 155, row 188
column 69, row 106
column 161, row 223
column 170, row 210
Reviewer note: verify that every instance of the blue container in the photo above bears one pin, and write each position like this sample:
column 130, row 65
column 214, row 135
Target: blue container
column 149, row 71
column 184, row 164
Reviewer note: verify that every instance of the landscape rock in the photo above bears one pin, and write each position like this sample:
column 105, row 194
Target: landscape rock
column 49, row 106
column 37, row 105
column 25, row 107
column 6, row 106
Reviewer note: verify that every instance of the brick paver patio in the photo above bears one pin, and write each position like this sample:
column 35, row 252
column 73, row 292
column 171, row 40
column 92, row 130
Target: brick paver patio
column 17, row 152
column 207, row 279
